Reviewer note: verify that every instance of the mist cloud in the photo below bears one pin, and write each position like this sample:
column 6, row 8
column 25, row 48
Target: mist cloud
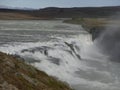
column 109, row 42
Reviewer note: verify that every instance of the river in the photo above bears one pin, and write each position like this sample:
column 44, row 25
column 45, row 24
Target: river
column 65, row 51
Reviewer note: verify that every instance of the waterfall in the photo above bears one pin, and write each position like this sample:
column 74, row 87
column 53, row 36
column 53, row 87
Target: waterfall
column 69, row 56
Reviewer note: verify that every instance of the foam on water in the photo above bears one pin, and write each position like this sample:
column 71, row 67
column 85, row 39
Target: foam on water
column 59, row 60
column 74, row 59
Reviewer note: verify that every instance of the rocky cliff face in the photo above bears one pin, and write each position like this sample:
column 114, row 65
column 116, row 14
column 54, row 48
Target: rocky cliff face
column 96, row 32
column 16, row 75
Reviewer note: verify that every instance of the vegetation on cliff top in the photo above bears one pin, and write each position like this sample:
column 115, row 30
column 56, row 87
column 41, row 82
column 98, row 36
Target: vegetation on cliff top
column 94, row 25
column 89, row 23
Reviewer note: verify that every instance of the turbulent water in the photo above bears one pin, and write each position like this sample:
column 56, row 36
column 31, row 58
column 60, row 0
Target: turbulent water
column 62, row 50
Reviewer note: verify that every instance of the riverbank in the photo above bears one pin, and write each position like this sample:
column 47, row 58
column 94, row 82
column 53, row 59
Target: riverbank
column 94, row 25
column 16, row 75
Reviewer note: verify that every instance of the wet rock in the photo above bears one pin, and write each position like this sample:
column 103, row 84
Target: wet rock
column 71, row 46
column 54, row 60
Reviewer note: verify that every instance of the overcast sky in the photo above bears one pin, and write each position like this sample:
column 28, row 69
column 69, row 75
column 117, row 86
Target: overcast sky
column 59, row 3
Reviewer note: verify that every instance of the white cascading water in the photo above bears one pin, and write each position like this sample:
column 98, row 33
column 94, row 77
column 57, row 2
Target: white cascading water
column 73, row 58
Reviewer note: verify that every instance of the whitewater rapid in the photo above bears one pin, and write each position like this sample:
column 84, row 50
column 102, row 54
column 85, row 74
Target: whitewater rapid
column 64, row 51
